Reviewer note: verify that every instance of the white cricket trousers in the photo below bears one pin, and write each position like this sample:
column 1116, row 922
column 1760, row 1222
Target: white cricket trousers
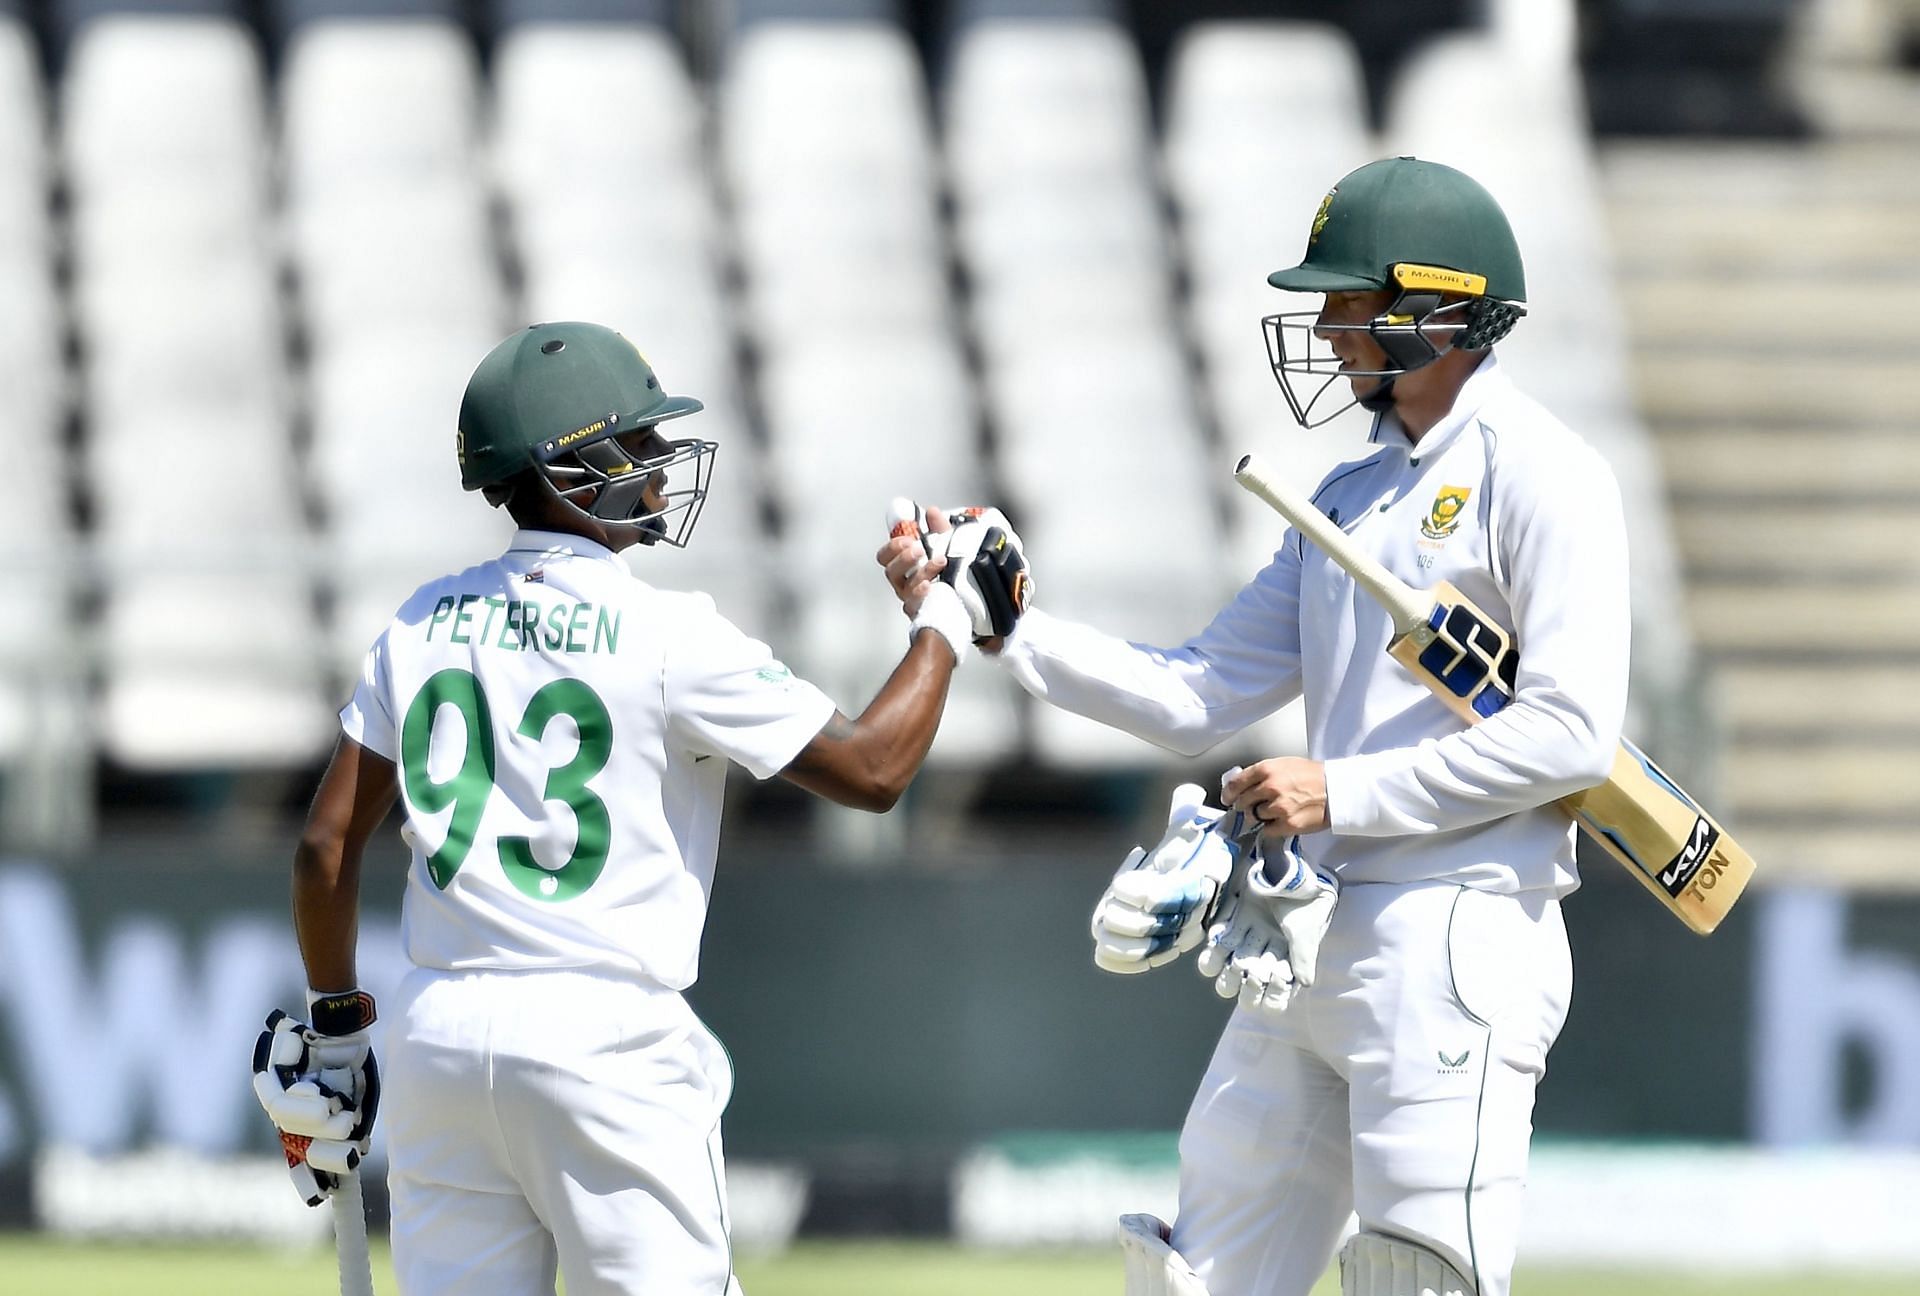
column 1398, row 1087
column 547, row 1119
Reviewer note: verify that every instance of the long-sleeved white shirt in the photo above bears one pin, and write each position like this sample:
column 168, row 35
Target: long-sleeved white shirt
column 1520, row 514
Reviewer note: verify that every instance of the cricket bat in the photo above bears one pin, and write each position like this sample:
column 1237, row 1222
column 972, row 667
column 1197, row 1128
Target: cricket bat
column 1639, row 816
column 350, row 1237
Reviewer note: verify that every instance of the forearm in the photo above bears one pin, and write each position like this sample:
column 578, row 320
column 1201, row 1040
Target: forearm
column 1175, row 698
column 326, row 912
column 868, row 762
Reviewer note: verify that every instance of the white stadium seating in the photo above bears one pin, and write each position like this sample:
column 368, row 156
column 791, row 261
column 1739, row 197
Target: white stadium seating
column 992, row 269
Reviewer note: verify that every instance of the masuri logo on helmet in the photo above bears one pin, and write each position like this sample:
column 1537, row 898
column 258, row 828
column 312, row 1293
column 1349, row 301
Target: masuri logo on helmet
column 1421, row 229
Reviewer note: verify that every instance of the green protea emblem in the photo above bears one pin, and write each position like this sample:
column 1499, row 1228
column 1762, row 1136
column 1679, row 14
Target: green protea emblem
column 1320, row 217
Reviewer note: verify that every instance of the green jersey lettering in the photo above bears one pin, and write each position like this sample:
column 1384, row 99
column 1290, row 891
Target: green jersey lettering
column 441, row 611
column 606, row 631
column 470, row 786
column 494, row 603
column 462, row 617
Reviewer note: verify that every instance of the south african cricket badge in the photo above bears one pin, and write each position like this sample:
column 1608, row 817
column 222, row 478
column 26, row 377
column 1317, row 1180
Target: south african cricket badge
column 1444, row 517
column 1320, row 218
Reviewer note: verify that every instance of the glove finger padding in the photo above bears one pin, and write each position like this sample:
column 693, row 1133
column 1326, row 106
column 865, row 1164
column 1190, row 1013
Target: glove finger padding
column 1266, row 943
column 1160, row 902
column 1303, row 898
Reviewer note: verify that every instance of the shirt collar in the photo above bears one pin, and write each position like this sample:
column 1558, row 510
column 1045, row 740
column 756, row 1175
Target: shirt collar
column 1482, row 385
column 559, row 544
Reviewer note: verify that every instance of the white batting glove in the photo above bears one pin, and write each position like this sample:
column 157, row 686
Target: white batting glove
column 1160, row 901
column 1265, row 943
column 320, row 1086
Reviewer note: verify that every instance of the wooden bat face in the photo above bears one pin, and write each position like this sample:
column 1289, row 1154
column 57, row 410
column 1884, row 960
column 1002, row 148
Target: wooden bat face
column 1462, row 654
column 1647, row 822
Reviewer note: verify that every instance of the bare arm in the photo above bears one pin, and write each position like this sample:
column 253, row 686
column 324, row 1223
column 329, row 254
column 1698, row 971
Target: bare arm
column 867, row 763
column 355, row 794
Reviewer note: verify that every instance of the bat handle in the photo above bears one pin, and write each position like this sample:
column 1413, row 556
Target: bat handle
column 1406, row 605
column 350, row 1237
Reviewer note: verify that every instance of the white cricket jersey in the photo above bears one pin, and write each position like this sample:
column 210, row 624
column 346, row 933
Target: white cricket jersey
column 561, row 732
column 1525, row 519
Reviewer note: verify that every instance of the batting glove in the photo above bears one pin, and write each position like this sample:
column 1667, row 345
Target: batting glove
column 986, row 563
column 1265, row 942
column 1160, row 902
column 320, row 1087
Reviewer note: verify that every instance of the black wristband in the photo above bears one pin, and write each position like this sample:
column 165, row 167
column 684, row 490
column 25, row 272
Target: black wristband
column 343, row 1013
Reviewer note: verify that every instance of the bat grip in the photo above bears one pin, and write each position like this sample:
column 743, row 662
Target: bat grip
column 350, row 1237
column 1406, row 605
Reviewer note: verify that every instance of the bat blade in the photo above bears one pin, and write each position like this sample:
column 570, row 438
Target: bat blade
column 1639, row 816
column 1671, row 845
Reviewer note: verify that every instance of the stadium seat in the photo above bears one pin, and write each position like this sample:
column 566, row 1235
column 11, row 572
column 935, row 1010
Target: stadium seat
column 384, row 409
column 577, row 98
column 844, row 429
column 787, row 132
column 23, row 139
column 216, row 669
column 666, row 310
column 65, row 21
column 1102, row 408
column 162, row 98
column 895, row 222
column 189, row 336
column 139, row 223
column 1273, row 110
column 32, row 370
column 200, row 489
column 368, row 103
column 420, row 255
column 1111, row 226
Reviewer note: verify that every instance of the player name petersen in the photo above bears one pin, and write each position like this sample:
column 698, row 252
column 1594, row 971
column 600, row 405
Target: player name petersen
column 524, row 625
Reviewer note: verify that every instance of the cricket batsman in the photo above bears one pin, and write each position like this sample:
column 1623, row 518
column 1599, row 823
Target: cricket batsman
column 557, row 733
column 1396, row 946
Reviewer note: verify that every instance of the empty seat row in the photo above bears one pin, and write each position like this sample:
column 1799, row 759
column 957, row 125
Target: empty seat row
column 280, row 287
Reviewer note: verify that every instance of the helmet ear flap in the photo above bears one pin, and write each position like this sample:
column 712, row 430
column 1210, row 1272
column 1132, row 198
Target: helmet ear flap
column 1488, row 320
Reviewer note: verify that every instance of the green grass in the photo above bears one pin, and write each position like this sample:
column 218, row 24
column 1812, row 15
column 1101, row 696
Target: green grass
column 31, row 1266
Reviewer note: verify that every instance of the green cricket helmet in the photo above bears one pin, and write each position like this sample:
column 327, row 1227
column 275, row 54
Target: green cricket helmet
column 1430, row 234
column 577, row 404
